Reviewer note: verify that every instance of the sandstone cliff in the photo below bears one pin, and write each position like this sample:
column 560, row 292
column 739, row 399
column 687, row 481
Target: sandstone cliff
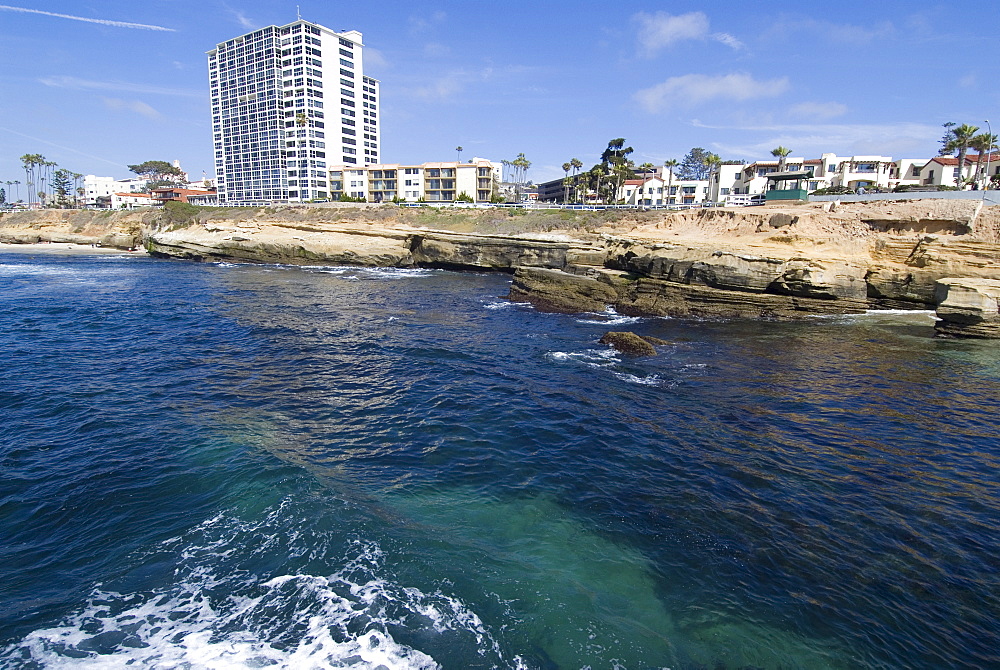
column 776, row 262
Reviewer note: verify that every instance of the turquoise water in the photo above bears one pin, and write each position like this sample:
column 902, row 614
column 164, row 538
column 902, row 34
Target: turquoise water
column 235, row 466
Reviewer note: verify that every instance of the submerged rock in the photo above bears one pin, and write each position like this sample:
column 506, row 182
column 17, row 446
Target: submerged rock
column 968, row 307
column 629, row 343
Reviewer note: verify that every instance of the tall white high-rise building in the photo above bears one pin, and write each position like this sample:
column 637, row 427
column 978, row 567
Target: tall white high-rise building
column 286, row 102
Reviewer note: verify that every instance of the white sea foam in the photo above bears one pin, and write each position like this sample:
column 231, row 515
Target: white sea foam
column 598, row 358
column 499, row 304
column 505, row 304
column 650, row 380
column 905, row 312
column 915, row 315
column 213, row 617
column 609, row 317
column 355, row 273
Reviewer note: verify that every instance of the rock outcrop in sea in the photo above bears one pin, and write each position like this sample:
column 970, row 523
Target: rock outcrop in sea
column 771, row 262
column 968, row 307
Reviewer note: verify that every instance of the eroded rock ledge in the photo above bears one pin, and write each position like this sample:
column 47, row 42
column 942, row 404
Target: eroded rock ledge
column 968, row 307
column 765, row 262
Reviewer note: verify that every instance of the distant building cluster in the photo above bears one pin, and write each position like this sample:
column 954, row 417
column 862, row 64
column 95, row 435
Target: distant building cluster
column 739, row 184
column 110, row 193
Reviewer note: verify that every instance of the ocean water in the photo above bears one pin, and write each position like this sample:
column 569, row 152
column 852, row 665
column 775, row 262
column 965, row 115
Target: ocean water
column 239, row 466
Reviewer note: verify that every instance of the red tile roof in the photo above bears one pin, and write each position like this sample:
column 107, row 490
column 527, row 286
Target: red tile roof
column 970, row 159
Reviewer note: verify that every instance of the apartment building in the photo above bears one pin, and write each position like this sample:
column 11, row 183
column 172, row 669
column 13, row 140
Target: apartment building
column 658, row 190
column 430, row 182
column 287, row 101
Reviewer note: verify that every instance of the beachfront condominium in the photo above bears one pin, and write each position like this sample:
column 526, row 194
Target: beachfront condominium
column 286, row 102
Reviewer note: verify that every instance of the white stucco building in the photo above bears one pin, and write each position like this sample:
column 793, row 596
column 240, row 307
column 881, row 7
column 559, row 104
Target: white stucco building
column 132, row 200
column 95, row 187
column 287, row 102
column 431, row 182
column 658, row 191
column 943, row 170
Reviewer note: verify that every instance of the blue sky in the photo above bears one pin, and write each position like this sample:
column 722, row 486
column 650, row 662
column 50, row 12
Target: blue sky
column 116, row 83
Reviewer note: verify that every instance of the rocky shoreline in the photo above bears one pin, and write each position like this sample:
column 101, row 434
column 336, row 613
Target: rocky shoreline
column 764, row 263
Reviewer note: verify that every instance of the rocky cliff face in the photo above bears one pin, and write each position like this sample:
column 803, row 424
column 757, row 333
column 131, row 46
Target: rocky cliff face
column 968, row 307
column 123, row 230
column 768, row 263
column 763, row 262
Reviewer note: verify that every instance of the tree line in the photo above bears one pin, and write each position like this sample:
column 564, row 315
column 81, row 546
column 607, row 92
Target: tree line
column 48, row 185
column 958, row 139
column 45, row 183
column 606, row 178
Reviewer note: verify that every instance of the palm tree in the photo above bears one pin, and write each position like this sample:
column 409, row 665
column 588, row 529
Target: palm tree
column 596, row 173
column 577, row 164
column 31, row 163
column 48, row 170
column 459, row 150
column 781, row 153
column 77, row 187
column 521, row 165
column 670, row 165
column 566, row 167
column 983, row 143
column 712, row 162
column 961, row 137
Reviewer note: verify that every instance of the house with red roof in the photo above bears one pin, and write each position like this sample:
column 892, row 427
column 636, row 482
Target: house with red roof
column 944, row 170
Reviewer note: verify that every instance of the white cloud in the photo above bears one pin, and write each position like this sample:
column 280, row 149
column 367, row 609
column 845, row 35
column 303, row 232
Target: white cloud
column 968, row 81
column 103, row 22
column 243, row 20
column 420, row 24
column 818, row 111
column 449, row 85
column 63, row 81
column 728, row 40
column 661, row 30
column 375, row 58
column 693, row 89
column 907, row 140
column 136, row 106
column 844, row 33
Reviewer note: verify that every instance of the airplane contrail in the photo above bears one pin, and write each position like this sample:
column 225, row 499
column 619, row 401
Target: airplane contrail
column 59, row 146
column 103, row 22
